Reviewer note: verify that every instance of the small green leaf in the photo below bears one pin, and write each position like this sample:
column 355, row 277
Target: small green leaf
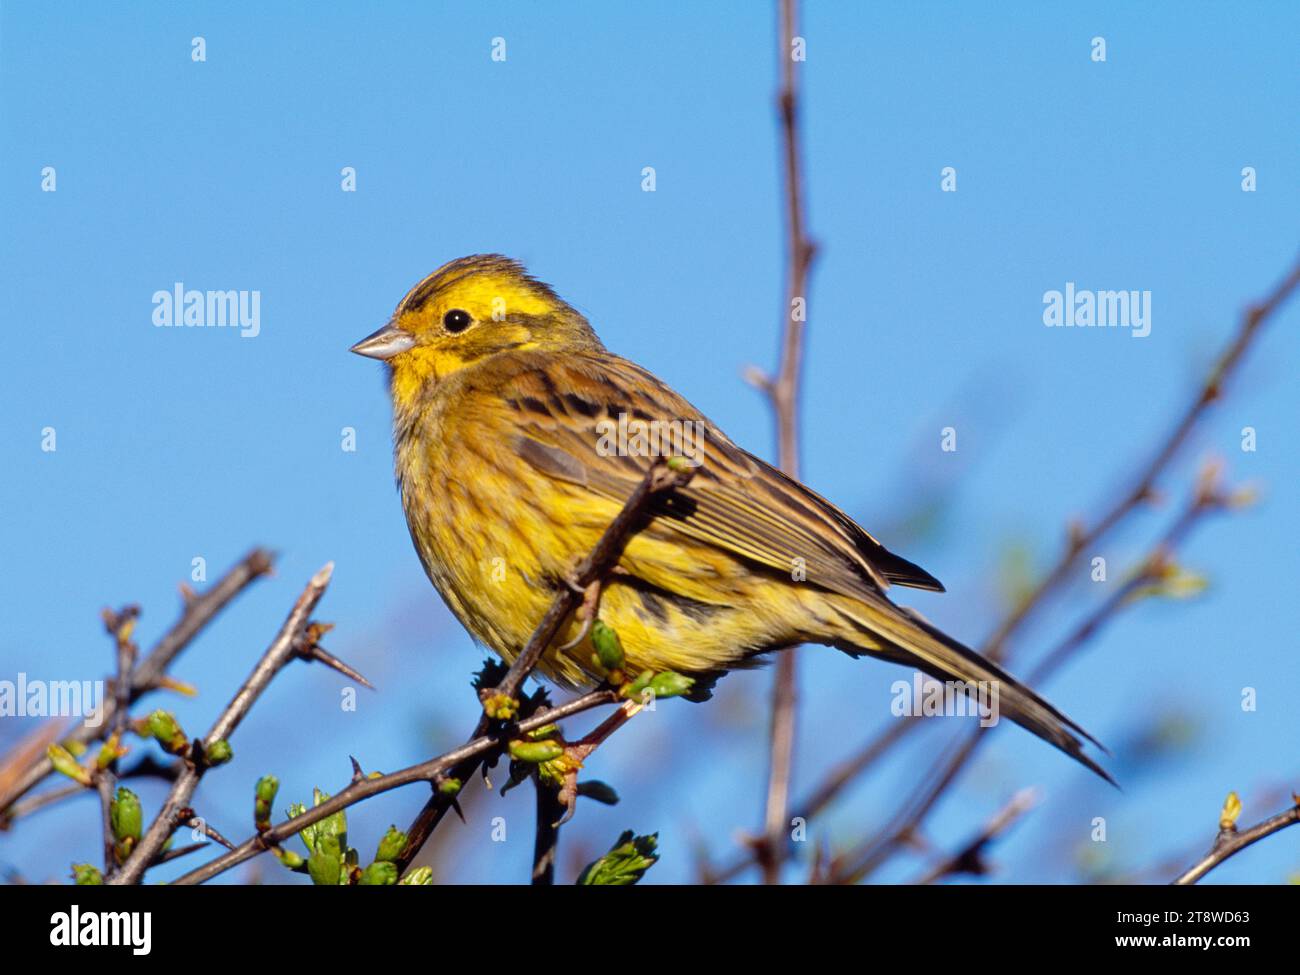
column 609, row 649
column 671, row 684
column 333, row 826
column 218, row 753
column 325, row 865
column 162, row 725
column 125, row 815
column 325, row 869
column 392, row 845
column 381, row 873
column 110, row 752
column 63, row 762
column 263, row 796
column 86, row 875
column 625, row 863
column 637, row 687
column 535, row 751
column 308, row 833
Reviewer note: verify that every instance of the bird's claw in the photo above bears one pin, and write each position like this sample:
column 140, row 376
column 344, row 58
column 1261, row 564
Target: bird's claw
column 587, row 612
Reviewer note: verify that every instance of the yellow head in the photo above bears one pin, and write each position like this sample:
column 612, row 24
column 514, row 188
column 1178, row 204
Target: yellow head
column 467, row 310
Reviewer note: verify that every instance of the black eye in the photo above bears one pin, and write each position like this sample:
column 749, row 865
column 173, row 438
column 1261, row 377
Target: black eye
column 456, row 320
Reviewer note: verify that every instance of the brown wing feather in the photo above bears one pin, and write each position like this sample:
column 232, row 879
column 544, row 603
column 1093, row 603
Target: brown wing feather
column 736, row 502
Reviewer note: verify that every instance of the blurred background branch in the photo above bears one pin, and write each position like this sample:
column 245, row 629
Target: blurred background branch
column 783, row 394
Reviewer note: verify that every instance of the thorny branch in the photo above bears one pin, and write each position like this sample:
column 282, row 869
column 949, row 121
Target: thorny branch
column 433, row 770
column 148, row 675
column 32, row 804
column 284, row 648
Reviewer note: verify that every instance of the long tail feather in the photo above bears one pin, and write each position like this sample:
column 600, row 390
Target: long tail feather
column 910, row 639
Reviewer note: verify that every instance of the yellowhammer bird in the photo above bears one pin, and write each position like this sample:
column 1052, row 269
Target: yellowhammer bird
column 518, row 439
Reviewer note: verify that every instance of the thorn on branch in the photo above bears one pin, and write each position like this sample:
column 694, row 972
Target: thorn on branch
column 199, row 823
column 309, row 648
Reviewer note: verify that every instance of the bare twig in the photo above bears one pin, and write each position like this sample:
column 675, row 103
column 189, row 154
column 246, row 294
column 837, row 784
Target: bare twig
column 120, row 626
column 783, row 390
column 169, row 855
column 36, row 803
column 281, row 651
column 198, row 612
column 104, row 786
column 834, row 782
column 146, row 767
column 970, row 858
column 1172, row 863
column 659, row 479
column 783, row 393
column 1231, row 841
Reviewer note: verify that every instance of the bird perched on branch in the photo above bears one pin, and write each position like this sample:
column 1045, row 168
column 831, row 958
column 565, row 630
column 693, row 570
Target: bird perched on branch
column 518, row 438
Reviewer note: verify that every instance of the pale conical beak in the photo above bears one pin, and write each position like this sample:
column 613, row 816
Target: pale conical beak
column 385, row 343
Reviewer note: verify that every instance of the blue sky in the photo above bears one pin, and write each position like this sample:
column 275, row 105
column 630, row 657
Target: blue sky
column 924, row 310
